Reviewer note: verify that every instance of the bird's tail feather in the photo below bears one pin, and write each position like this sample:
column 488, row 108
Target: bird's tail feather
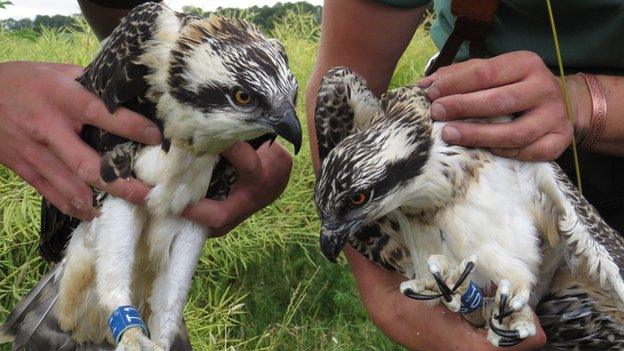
column 39, row 299
column 33, row 323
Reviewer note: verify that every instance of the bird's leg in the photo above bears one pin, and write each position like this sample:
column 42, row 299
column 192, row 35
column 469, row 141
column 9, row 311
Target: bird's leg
column 511, row 319
column 451, row 285
column 117, row 232
column 171, row 287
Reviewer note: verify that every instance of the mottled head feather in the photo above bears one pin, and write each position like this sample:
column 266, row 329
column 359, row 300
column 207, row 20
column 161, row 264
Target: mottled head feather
column 379, row 161
column 344, row 105
column 209, row 60
column 228, row 30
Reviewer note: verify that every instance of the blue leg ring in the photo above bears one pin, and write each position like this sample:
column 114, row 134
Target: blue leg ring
column 124, row 318
column 472, row 299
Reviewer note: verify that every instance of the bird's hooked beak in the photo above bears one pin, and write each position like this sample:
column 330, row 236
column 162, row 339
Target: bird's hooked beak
column 285, row 123
column 333, row 241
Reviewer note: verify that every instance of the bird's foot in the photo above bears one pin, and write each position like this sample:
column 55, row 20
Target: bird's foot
column 133, row 339
column 450, row 284
column 511, row 319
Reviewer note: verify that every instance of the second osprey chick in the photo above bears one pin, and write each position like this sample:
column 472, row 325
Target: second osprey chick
column 391, row 187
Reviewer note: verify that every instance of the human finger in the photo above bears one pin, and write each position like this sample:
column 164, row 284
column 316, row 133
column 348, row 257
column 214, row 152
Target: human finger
column 217, row 214
column 88, row 109
column 275, row 174
column 244, row 159
column 514, row 134
column 239, row 203
column 491, row 102
column 547, row 148
column 30, row 176
column 85, row 162
column 250, row 193
column 480, row 74
column 60, row 177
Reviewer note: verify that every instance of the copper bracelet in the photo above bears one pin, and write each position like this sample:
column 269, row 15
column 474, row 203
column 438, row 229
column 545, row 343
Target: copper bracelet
column 599, row 112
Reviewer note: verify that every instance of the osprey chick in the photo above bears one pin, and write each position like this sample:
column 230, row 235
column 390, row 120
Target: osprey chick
column 392, row 188
column 208, row 83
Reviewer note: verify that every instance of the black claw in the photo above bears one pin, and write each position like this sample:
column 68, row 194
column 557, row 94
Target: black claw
column 508, row 342
column 501, row 315
column 509, row 334
column 464, row 275
column 444, row 289
column 422, row 297
column 502, row 309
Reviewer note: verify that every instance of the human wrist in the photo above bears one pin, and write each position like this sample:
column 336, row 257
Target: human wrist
column 581, row 106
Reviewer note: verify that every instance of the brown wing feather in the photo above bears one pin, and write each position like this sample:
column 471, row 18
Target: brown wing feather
column 116, row 78
column 598, row 246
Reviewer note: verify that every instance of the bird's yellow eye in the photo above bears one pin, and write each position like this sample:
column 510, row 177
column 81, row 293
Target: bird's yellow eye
column 358, row 199
column 241, row 97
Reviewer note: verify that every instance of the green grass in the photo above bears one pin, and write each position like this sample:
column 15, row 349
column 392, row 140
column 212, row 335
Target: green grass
column 265, row 286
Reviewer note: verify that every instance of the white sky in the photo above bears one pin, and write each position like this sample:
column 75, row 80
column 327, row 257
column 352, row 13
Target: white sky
column 31, row 8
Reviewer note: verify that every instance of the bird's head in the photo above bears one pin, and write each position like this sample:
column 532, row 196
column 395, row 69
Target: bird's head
column 369, row 173
column 225, row 82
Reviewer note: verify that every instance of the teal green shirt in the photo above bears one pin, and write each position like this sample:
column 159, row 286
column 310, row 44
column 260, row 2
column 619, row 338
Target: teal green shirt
column 591, row 32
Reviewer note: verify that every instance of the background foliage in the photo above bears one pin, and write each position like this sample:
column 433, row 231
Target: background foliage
column 264, row 286
column 263, row 16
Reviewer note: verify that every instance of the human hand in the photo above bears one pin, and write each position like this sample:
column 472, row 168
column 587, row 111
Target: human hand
column 414, row 324
column 516, row 82
column 262, row 176
column 42, row 112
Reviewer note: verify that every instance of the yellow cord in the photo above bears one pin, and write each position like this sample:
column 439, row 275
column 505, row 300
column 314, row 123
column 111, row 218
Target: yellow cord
column 566, row 96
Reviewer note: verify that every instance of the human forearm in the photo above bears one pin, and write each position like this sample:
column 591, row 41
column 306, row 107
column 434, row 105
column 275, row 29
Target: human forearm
column 365, row 36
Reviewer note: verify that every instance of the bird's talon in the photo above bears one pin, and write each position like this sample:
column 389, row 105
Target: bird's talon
column 508, row 342
column 421, row 297
column 466, row 272
column 511, row 321
column 444, row 289
column 511, row 334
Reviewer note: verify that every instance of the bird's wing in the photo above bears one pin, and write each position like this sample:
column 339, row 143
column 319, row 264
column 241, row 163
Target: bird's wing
column 344, row 104
column 118, row 79
column 592, row 242
column 114, row 75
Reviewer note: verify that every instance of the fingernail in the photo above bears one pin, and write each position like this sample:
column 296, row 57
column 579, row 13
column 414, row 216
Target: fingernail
column 152, row 135
column 424, row 83
column 433, row 93
column 450, row 134
column 438, row 111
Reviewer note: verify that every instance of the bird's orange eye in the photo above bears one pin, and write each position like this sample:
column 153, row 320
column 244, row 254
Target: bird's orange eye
column 242, row 98
column 358, row 199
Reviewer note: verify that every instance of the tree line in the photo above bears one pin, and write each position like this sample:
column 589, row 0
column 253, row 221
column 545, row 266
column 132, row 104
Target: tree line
column 265, row 16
